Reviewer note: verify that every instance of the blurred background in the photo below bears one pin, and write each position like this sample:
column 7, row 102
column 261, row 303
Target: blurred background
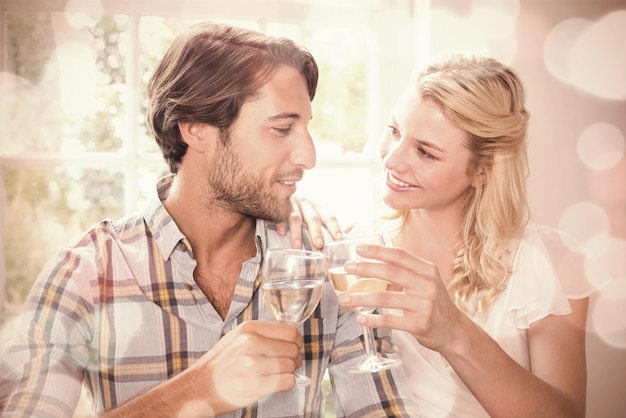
column 74, row 147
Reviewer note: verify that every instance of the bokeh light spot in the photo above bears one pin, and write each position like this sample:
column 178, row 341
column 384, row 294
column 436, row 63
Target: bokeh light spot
column 601, row 146
column 588, row 56
column 608, row 313
column 558, row 45
column 610, row 253
column 607, row 187
column 584, row 221
column 598, row 62
column 488, row 27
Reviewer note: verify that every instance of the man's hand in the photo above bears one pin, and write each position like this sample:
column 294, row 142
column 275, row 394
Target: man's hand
column 254, row 360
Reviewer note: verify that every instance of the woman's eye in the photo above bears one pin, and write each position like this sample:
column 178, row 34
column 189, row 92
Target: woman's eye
column 425, row 154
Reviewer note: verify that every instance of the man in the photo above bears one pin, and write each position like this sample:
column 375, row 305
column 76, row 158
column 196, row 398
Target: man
column 160, row 314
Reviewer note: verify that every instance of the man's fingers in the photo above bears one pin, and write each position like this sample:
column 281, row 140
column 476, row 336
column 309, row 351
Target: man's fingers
column 275, row 365
column 282, row 382
column 286, row 353
column 274, row 330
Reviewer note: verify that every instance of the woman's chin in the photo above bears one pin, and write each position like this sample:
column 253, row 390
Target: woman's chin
column 394, row 204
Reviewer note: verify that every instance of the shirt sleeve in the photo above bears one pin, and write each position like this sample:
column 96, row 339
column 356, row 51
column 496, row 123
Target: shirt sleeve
column 383, row 394
column 41, row 372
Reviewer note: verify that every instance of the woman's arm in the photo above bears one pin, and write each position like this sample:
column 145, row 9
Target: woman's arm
column 554, row 387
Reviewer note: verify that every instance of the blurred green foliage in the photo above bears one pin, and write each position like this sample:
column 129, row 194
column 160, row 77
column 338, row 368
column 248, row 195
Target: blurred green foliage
column 47, row 205
column 50, row 201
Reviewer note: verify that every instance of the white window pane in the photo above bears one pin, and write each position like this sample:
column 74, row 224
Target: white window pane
column 66, row 91
column 341, row 103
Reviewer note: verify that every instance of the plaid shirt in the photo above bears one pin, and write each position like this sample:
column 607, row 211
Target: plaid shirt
column 120, row 311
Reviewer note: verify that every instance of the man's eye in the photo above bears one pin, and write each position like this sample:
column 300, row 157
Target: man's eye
column 283, row 131
column 393, row 130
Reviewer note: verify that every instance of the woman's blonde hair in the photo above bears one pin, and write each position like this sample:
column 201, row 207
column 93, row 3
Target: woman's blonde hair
column 485, row 99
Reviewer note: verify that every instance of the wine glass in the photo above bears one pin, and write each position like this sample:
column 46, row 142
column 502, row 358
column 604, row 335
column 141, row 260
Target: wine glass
column 337, row 253
column 292, row 282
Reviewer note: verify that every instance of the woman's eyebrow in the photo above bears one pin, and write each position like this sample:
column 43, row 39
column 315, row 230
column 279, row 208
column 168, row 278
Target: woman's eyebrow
column 428, row 144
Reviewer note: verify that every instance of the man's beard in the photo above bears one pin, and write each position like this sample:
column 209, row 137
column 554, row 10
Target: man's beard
column 236, row 189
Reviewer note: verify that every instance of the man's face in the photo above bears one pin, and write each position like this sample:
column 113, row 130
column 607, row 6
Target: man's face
column 259, row 160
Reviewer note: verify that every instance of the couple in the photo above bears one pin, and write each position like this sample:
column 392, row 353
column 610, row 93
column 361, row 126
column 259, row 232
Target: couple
column 160, row 313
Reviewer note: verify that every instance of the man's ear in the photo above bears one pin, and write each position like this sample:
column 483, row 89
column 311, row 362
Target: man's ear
column 198, row 136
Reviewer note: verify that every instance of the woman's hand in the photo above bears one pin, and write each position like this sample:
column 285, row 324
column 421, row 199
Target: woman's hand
column 417, row 292
column 556, row 385
column 305, row 212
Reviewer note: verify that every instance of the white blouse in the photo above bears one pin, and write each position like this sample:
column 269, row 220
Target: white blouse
column 549, row 268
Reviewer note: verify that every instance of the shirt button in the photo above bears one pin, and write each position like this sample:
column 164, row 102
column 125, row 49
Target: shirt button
column 188, row 287
column 183, row 247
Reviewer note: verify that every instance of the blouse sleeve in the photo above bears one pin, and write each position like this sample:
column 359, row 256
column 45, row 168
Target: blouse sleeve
column 578, row 270
column 550, row 268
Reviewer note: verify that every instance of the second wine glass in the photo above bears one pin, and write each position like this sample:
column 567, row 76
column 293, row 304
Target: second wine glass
column 292, row 284
column 337, row 254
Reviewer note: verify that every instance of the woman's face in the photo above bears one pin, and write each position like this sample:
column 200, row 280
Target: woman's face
column 424, row 157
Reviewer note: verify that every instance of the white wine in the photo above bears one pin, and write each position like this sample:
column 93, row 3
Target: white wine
column 292, row 301
column 337, row 253
column 349, row 283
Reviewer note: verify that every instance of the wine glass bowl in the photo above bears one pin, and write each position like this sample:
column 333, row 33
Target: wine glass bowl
column 292, row 282
column 337, row 253
column 344, row 282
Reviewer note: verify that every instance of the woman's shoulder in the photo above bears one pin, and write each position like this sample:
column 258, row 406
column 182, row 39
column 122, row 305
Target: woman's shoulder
column 555, row 252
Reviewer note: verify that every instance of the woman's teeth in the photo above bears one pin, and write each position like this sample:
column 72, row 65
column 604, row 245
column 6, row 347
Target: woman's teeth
column 399, row 182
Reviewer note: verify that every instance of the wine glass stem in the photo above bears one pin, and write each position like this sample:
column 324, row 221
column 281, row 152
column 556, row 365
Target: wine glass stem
column 368, row 336
column 301, row 380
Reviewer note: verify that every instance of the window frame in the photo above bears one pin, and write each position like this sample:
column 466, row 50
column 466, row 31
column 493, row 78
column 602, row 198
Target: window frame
column 388, row 72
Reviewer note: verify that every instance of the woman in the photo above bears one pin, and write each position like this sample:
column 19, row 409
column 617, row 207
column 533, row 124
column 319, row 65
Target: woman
column 484, row 324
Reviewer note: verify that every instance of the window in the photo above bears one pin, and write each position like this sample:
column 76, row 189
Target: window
column 74, row 147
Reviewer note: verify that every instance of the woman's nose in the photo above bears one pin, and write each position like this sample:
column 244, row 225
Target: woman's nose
column 393, row 154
